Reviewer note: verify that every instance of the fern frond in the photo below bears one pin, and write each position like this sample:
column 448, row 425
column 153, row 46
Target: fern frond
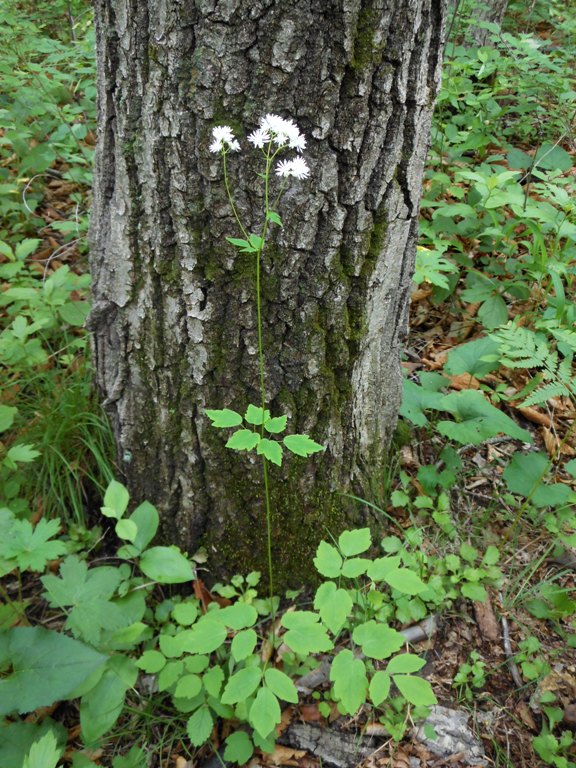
column 553, row 389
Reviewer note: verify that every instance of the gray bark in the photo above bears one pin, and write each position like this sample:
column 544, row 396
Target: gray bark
column 173, row 318
column 484, row 10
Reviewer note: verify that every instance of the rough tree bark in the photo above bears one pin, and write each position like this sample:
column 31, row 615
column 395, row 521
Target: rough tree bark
column 173, row 318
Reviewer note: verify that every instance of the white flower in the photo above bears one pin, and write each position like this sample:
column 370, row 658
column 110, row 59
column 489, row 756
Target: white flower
column 296, row 167
column 223, row 139
column 259, row 137
column 283, row 131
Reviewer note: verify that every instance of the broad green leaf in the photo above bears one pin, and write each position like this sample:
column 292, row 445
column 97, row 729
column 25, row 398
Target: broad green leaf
column 7, row 414
column 237, row 616
column 256, row 241
column 199, row 726
column 126, row 529
column 44, row 753
column 379, row 687
column 243, row 644
column 205, row 636
column 355, row 542
column 377, row 640
column 212, row 681
column 116, row 500
column 185, row 613
column 276, row 425
column 302, row 445
column 243, row 245
column 416, row 399
column 188, row 686
column 350, row 682
column 281, row 685
column 243, row 440
column 170, row 674
column 264, row 713
column 271, row 450
column 405, row 663
column 18, row 737
column 46, row 666
column 101, row 707
column 273, row 216
column 304, row 634
column 476, row 419
column 30, row 546
column 151, row 662
column 468, row 358
column 493, row 312
column 239, row 748
column 24, row 453
column 146, row 518
column 415, row 690
column 196, row 664
column 224, row 418
column 379, row 568
column 256, row 415
column 525, row 475
column 355, row 567
column 474, row 592
column 406, row 581
column 134, row 759
column 74, row 312
column 328, row 561
column 166, row 565
column 334, row 605
column 241, row 685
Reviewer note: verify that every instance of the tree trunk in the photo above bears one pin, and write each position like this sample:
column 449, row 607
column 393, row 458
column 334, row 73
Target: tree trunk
column 173, row 318
column 486, row 10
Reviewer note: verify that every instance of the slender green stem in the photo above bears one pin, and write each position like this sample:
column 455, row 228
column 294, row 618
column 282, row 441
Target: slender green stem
column 230, row 198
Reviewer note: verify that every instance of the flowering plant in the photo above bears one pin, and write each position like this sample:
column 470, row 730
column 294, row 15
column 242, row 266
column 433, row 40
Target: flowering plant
column 257, row 429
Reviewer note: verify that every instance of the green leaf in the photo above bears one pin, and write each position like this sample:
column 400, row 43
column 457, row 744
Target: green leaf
column 224, row 418
column 23, row 453
column 377, row 640
column 328, row 561
column 468, row 358
column 134, row 759
column 271, row 450
column 416, row 399
column 46, row 667
column 239, row 748
column 256, row 242
column 381, row 567
column 415, row 690
column 146, row 519
column 525, row 475
column 264, row 713
column 116, row 500
column 241, row 685
column 304, row 634
column 185, row 613
column 474, row 592
column 405, row 663
column 74, row 312
column 166, row 565
column 281, row 685
column 406, row 581
column 188, row 686
column 477, row 419
column 493, row 312
column 199, row 726
column 355, row 567
column 379, row 687
column 276, row 425
column 151, row 662
column 350, row 682
column 7, row 414
column 302, row 445
column 206, row 636
column 273, row 216
column 256, row 416
column 126, row 529
column 237, row 616
column 30, row 546
column 334, row 605
column 243, row 644
column 101, row 707
column 44, row 753
column 355, row 542
column 243, row 440
column 212, row 681
column 243, row 245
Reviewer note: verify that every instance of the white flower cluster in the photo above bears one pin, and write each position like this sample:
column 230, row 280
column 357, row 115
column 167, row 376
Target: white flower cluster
column 273, row 129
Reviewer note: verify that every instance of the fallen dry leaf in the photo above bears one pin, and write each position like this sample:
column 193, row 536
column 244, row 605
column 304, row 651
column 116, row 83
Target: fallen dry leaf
column 283, row 756
column 486, row 620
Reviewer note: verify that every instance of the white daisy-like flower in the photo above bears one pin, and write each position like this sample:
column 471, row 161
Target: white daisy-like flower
column 223, row 139
column 283, row 131
column 296, row 167
column 259, row 137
